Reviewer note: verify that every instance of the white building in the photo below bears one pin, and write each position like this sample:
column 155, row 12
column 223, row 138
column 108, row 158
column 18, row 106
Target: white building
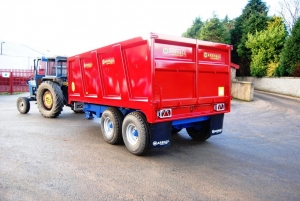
column 17, row 56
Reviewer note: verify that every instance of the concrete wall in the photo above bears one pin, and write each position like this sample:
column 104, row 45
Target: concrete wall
column 242, row 90
column 284, row 85
column 233, row 73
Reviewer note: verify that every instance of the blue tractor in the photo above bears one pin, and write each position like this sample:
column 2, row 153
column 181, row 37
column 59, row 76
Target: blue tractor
column 49, row 88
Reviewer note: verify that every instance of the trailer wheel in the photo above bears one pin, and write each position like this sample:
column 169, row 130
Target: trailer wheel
column 23, row 105
column 200, row 134
column 111, row 125
column 50, row 99
column 135, row 131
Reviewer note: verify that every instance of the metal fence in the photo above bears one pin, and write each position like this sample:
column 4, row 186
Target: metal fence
column 14, row 80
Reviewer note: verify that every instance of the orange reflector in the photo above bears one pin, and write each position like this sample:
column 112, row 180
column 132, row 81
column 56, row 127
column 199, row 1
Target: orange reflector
column 221, row 91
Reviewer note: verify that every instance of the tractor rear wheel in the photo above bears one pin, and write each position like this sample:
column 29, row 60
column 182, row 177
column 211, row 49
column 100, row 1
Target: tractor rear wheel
column 50, row 99
column 111, row 125
column 23, row 105
column 135, row 131
column 200, row 134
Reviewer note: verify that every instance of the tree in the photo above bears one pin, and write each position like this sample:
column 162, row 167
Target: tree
column 266, row 46
column 290, row 57
column 290, row 11
column 194, row 30
column 228, row 24
column 254, row 18
column 215, row 31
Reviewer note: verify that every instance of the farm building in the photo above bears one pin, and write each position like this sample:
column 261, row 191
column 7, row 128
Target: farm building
column 18, row 56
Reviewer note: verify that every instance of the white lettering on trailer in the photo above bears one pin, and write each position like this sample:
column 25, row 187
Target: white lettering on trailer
column 216, row 131
column 174, row 51
column 155, row 143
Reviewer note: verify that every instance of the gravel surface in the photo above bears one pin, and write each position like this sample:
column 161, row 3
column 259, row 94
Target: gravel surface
column 256, row 158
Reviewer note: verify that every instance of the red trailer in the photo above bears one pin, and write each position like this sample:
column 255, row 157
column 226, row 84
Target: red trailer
column 146, row 88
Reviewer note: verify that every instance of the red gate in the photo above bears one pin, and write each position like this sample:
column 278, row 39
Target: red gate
column 14, row 80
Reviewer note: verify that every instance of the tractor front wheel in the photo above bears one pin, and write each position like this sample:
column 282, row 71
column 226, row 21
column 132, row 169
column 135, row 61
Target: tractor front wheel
column 23, row 105
column 50, row 99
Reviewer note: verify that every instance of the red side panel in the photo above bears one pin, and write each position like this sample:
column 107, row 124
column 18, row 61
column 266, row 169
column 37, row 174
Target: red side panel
column 108, row 67
column 91, row 76
column 138, row 71
column 75, row 89
column 116, row 75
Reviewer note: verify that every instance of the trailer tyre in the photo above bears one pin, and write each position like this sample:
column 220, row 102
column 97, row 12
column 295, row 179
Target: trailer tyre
column 135, row 131
column 23, row 105
column 50, row 99
column 111, row 125
column 201, row 134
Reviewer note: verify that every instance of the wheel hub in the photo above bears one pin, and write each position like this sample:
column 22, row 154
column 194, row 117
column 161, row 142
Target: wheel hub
column 47, row 100
column 132, row 134
column 108, row 127
column 21, row 105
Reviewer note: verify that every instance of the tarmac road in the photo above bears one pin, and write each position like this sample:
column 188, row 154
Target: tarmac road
column 256, row 158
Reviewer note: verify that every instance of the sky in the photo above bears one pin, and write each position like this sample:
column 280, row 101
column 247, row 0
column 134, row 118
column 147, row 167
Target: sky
column 70, row 27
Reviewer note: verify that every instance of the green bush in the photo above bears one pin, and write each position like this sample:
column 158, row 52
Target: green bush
column 265, row 47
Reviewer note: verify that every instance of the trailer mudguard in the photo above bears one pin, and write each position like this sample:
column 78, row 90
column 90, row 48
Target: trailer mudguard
column 216, row 124
column 160, row 134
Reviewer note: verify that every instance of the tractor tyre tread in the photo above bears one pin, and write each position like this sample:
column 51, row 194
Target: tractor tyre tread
column 57, row 98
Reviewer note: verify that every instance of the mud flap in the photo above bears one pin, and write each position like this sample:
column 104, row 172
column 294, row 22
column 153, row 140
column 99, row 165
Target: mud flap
column 216, row 124
column 160, row 134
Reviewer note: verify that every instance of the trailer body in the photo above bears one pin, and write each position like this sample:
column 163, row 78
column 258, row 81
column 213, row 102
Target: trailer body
column 174, row 82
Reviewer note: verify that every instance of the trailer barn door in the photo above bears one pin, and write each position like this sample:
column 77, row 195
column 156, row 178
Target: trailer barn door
column 91, row 77
column 175, row 73
column 74, row 78
column 213, row 72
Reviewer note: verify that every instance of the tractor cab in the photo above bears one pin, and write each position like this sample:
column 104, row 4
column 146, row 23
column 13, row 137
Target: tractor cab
column 55, row 67
column 48, row 68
